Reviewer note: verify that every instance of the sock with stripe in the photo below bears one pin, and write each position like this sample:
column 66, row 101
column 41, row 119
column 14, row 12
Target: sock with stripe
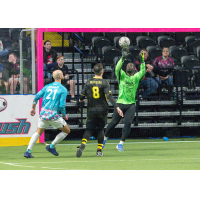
column 84, row 141
column 99, row 146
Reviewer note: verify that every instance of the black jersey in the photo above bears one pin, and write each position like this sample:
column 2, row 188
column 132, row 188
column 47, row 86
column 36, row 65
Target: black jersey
column 96, row 90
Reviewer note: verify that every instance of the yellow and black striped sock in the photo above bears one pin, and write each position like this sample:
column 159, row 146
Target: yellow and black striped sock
column 100, row 146
column 84, row 141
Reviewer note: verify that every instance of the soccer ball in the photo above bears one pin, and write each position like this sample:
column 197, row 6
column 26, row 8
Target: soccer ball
column 3, row 104
column 124, row 42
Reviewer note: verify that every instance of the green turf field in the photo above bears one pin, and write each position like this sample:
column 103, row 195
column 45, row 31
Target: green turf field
column 140, row 154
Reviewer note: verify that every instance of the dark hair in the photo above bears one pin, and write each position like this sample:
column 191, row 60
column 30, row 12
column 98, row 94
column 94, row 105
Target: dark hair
column 46, row 42
column 98, row 69
column 165, row 48
column 14, row 54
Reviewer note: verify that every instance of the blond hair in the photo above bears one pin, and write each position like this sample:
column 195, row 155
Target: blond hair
column 57, row 74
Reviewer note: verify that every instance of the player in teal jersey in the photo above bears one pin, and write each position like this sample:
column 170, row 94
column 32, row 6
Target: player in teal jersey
column 52, row 113
column 128, row 84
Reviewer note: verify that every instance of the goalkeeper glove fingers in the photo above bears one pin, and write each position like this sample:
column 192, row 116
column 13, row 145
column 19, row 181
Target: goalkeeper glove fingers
column 142, row 57
column 125, row 53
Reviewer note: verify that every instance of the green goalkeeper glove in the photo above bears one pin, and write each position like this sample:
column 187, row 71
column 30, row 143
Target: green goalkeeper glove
column 125, row 53
column 142, row 57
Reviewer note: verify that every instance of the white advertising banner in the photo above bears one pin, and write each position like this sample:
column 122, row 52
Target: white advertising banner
column 15, row 118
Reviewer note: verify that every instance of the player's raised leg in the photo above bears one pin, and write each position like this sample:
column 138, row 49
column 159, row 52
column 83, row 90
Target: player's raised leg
column 60, row 137
column 115, row 120
column 128, row 119
column 86, row 136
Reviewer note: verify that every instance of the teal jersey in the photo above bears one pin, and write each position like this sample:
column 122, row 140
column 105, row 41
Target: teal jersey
column 128, row 84
column 54, row 101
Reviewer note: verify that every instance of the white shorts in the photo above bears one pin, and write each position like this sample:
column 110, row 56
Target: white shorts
column 58, row 123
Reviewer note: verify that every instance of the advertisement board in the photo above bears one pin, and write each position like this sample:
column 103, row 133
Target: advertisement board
column 16, row 123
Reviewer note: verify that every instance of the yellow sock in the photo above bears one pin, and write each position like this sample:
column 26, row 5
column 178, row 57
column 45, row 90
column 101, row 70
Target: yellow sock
column 84, row 141
column 100, row 146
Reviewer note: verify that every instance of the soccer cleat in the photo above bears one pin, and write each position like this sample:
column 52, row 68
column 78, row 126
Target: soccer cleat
column 28, row 155
column 99, row 153
column 80, row 150
column 104, row 143
column 120, row 147
column 53, row 151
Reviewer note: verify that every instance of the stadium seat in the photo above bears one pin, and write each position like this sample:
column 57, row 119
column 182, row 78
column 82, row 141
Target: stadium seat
column 189, row 61
column 182, row 77
column 155, row 35
column 4, row 32
column 197, row 79
column 196, row 34
column 15, row 34
column 134, row 35
column 198, row 52
column 110, row 36
column 177, row 52
column 6, row 43
column 109, row 53
column 134, row 50
column 144, row 41
column 180, row 37
column 87, row 37
column 154, row 51
column 191, row 43
column 165, row 41
column 98, row 42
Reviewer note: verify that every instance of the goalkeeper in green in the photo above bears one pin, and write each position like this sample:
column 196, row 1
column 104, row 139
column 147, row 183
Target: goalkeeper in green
column 128, row 83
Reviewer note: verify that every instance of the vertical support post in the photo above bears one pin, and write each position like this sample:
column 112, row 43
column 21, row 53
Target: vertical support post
column 33, row 59
column 63, row 43
column 21, row 65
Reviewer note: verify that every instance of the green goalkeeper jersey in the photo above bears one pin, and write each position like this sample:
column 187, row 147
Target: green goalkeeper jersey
column 128, row 84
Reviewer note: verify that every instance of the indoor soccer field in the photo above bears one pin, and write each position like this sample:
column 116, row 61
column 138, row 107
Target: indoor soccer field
column 139, row 154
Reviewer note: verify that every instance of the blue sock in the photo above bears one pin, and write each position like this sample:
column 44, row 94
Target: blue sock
column 28, row 150
column 52, row 146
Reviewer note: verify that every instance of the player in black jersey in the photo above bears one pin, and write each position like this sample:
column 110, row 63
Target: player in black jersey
column 97, row 91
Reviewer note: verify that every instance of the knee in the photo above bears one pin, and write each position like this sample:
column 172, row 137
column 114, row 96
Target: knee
column 153, row 84
column 128, row 123
column 71, row 82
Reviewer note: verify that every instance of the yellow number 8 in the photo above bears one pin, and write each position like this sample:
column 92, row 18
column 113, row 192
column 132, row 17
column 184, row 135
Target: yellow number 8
column 95, row 91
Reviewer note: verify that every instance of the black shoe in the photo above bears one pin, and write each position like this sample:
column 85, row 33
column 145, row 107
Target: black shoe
column 99, row 152
column 80, row 150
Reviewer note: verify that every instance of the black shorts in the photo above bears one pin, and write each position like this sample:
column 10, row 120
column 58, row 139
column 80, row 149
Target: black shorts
column 96, row 120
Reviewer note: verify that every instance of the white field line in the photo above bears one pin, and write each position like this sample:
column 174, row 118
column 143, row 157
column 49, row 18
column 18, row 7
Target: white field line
column 16, row 164
column 132, row 142
column 95, row 161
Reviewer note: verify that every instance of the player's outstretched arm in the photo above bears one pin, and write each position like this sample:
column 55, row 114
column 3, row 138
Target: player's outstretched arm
column 39, row 95
column 142, row 71
column 125, row 54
